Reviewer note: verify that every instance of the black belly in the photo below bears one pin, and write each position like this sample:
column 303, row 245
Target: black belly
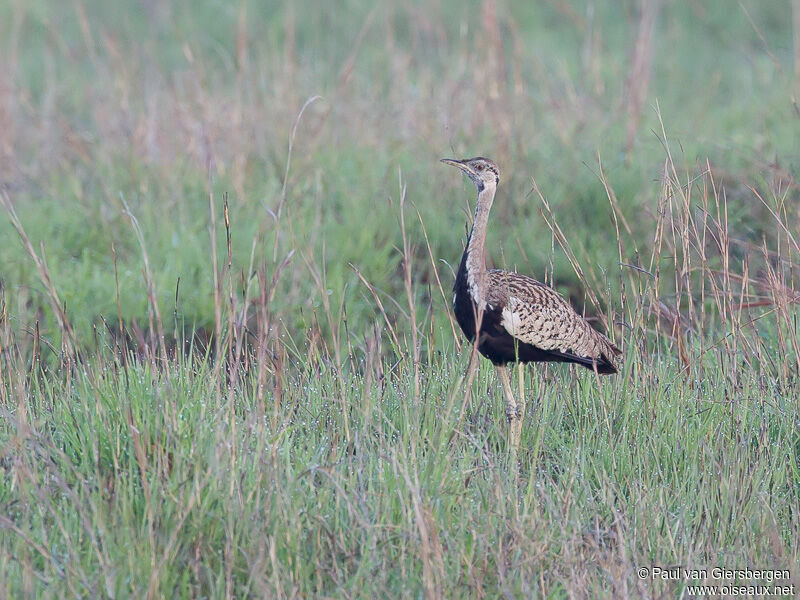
column 494, row 342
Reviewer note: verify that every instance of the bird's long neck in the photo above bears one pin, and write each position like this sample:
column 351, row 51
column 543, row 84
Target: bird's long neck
column 475, row 252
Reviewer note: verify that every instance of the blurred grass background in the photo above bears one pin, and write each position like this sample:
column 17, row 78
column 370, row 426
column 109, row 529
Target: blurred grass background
column 311, row 442
column 159, row 104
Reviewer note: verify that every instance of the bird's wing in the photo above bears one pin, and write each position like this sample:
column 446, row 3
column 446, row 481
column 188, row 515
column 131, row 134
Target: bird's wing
column 536, row 314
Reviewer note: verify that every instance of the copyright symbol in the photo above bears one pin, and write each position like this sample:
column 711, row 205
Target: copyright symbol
column 643, row 572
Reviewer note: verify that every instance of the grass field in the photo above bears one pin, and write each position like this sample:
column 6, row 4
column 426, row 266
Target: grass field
column 228, row 366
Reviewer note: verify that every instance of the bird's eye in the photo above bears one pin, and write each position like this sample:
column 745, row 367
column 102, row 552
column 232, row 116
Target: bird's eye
column 479, row 167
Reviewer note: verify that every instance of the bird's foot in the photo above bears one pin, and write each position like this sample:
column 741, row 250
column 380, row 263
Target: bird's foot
column 512, row 413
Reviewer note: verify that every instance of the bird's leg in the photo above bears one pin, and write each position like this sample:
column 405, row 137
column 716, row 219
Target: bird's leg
column 521, row 403
column 508, row 393
column 512, row 410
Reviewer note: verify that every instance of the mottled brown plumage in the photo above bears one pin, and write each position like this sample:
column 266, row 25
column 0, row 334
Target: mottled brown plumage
column 536, row 314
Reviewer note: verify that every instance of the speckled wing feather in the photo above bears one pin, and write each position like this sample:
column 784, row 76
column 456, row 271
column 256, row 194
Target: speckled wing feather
column 536, row 314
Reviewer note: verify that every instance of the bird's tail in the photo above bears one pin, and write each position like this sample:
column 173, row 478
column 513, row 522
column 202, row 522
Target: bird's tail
column 604, row 365
column 609, row 363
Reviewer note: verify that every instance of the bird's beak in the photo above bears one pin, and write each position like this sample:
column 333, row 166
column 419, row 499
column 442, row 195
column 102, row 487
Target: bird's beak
column 461, row 164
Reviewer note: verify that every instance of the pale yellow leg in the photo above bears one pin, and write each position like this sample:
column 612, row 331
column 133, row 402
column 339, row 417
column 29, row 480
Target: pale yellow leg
column 512, row 410
column 521, row 402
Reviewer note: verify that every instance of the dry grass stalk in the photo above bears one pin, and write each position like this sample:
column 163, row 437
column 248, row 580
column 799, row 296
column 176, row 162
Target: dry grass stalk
column 639, row 74
column 69, row 345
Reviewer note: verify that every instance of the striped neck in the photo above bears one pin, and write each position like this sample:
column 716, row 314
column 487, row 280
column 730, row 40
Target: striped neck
column 476, row 246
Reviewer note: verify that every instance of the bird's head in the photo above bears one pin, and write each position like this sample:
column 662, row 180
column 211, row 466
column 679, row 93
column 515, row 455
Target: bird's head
column 483, row 171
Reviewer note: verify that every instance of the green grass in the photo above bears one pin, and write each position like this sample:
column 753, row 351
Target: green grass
column 281, row 427
column 158, row 483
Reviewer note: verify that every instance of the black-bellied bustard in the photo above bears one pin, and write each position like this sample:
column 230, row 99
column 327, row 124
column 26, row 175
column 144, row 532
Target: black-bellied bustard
column 518, row 319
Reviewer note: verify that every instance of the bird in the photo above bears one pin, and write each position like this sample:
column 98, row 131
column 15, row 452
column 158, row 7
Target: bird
column 513, row 318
